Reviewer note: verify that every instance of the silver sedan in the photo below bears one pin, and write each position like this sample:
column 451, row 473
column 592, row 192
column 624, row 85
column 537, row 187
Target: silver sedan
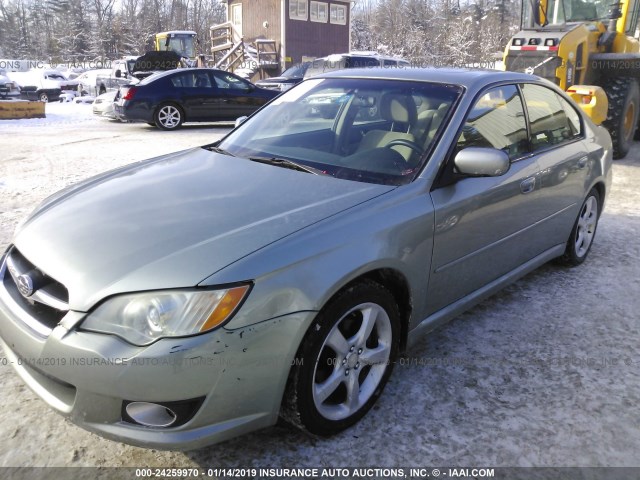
column 194, row 297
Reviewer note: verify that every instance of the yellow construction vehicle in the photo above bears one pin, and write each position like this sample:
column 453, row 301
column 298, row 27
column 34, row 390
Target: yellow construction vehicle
column 582, row 45
column 179, row 41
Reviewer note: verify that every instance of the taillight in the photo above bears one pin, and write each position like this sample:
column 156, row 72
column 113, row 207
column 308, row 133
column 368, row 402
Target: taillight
column 131, row 91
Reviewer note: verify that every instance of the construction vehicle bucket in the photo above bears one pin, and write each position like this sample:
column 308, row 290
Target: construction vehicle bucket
column 592, row 100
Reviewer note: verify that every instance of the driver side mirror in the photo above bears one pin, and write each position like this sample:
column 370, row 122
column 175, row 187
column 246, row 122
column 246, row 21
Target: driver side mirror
column 481, row 162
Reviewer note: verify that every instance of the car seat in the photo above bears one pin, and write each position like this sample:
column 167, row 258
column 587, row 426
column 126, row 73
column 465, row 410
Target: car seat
column 400, row 111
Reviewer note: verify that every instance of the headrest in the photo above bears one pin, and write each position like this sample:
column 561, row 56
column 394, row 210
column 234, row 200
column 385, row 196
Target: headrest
column 398, row 108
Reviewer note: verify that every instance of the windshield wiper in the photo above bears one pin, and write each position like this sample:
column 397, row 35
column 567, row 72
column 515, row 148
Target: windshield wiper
column 220, row 150
column 285, row 163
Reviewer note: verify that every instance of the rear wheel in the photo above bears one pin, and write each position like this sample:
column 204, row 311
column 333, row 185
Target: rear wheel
column 344, row 361
column 584, row 231
column 622, row 117
column 43, row 97
column 168, row 117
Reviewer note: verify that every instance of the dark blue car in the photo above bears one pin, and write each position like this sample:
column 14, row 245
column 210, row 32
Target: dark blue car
column 169, row 99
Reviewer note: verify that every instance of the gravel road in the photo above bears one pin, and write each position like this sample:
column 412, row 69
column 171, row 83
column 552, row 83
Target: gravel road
column 545, row 373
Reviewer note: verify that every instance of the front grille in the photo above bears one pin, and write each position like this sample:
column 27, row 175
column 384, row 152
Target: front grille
column 543, row 64
column 44, row 303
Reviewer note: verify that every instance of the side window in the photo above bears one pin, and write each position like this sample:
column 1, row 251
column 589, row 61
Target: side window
column 191, row 80
column 572, row 116
column 497, row 121
column 227, row 81
column 184, row 80
column 553, row 121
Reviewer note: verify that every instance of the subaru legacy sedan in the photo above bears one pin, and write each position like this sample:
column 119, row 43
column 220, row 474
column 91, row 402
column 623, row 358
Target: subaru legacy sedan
column 190, row 298
column 168, row 99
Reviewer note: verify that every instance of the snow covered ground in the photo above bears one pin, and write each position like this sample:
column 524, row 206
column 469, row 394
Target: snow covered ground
column 545, row 373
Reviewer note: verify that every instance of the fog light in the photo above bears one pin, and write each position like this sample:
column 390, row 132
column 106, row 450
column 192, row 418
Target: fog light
column 161, row 414
column 151, row 414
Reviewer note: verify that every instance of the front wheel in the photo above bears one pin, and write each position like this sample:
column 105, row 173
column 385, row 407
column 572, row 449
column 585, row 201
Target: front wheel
column 584, row 231
column 168, row 117
column 345, row 360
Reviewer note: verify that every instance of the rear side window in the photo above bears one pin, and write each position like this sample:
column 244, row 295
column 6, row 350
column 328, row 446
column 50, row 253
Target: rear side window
column 497, row 121
column 553, row 120
column 184, row 80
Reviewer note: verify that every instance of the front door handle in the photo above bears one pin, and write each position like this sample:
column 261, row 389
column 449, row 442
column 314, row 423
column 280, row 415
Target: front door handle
column 528, row 185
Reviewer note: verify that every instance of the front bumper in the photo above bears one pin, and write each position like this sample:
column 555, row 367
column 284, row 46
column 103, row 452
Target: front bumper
column 240, row 375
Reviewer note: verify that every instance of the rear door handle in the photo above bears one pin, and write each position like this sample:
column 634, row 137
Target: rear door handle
column 528, row 185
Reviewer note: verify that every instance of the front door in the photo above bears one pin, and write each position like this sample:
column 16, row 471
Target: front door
column 238, row 97
column 483, row 226
column 236, row 21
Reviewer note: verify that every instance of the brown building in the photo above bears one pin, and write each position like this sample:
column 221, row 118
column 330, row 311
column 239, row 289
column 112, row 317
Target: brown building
column 299, row 29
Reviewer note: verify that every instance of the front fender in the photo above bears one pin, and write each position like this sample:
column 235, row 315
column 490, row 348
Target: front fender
column 303, row 271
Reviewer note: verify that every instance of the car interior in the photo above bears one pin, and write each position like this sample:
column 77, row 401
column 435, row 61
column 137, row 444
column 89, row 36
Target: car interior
column 367, row 129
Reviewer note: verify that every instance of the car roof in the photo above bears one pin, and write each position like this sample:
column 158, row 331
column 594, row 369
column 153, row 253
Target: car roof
column 373, row 55
column 466, row 77
column 186, row 70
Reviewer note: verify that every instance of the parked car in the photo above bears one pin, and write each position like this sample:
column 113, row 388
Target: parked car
column 87, row 82
column 43, row 85
column 103, row 105
column 341, row 61
column 290, row 77
column 8, row 88
column 197, row 296
column 170, row 98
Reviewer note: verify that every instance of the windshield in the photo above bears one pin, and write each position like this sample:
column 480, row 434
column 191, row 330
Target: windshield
column 183, row 45
column 376, row 131
column 559, row 12
column 297, row 71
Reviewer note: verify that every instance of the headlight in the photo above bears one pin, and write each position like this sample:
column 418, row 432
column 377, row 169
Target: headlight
column 143, row 318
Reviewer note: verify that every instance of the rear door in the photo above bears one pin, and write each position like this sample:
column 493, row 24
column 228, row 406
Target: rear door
column 197, row 94
column 557, row 139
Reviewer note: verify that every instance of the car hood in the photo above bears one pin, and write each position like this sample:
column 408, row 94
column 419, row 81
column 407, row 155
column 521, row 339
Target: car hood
column 171, row 222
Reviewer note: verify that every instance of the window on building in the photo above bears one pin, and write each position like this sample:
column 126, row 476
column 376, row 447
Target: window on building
column 338, row 14
column 298, row 9
column 319, row 12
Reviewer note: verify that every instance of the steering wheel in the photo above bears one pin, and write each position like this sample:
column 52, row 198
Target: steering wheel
column 405, row 143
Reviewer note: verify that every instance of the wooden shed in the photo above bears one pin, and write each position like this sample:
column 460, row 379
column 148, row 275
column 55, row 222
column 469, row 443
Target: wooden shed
column 279, row 33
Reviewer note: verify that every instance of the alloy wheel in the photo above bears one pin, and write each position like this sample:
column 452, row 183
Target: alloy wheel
column 352, row 361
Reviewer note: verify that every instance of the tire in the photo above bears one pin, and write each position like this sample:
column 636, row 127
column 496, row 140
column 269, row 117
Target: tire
column 583, row 232
column 103, row 90
column 168, row 117
column 43, row 97
column 340, row 370
column 622, row 117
